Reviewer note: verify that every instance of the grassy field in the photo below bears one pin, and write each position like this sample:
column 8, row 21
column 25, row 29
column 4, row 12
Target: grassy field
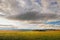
column 29, row 35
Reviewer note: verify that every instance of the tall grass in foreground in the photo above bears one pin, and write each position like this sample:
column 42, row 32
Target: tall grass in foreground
column 29, row 35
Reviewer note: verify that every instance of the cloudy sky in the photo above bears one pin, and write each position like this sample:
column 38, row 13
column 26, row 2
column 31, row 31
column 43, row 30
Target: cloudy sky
column 29, row 14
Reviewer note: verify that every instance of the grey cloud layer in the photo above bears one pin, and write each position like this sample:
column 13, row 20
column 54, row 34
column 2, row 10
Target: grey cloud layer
column 29, row 9
column 35, row 16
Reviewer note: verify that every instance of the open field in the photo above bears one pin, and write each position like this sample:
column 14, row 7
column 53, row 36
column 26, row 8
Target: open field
column 29, row 35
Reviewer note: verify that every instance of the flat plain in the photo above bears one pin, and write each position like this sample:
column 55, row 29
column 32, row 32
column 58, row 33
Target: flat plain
column 29, row 35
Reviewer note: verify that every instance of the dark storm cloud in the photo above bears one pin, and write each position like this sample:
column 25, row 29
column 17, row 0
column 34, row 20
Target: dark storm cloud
column 34, row 16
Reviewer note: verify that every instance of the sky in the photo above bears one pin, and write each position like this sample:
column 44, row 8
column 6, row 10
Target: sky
column 29, row 14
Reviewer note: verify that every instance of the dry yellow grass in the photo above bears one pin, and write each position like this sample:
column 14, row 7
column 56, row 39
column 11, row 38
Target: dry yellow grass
column 31, row 35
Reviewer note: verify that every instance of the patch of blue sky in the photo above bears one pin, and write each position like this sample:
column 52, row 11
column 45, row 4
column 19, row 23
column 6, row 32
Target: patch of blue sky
column 38, row 1
column 53, row 8
column 53, row 2
column 54, row 22
column 53, row 5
